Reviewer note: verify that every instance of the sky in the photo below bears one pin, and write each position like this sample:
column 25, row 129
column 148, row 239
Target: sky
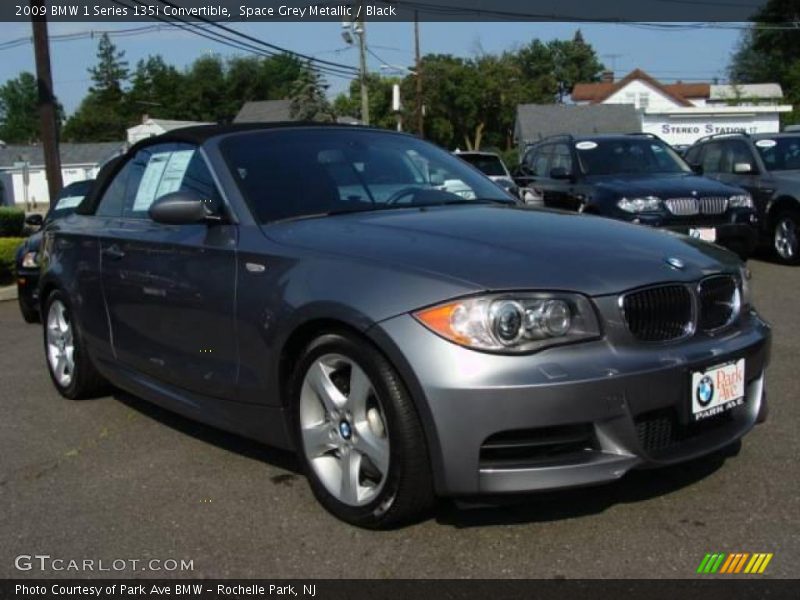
column 689, row 55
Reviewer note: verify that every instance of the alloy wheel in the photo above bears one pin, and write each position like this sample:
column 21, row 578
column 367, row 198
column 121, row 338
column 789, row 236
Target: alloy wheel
column 786, row 238
column 60, row 343
column 343, row 429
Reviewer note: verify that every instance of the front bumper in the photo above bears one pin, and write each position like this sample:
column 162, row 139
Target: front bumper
column 572, row 415
column 737, row 229
column 28, row 287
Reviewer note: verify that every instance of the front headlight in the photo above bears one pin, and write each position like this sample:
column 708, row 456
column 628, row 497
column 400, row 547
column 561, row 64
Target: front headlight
column 745, row 276
column 741, row 201
column 30, row 260
column 513, row 323
column 639, row 205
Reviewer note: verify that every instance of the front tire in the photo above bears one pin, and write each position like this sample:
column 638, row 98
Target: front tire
column 358, row 434
column 29, row 314
column 70, row 367
column 786, row 236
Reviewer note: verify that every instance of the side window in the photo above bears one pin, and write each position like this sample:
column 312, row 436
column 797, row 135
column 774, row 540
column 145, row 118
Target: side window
column 693, row 155
column 561, row 158
column 114, row 196
column 541, row 161
column 738, row 152
column 161, row 169
column 712, row 157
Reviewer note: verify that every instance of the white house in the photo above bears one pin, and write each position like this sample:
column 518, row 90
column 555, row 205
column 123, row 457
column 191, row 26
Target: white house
column 152, row 127
column 681, row 113
column 23, row 181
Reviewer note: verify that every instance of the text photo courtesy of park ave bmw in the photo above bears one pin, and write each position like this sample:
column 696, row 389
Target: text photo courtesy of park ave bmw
column 394, row 298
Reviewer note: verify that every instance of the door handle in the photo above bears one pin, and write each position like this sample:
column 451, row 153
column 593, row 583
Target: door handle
column 113, row 252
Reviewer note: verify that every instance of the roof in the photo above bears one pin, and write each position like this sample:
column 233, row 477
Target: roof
column 746, row 90
column 264, row 111
column 678, row 92
column 71, row 153
column 536, row 121
column 199, row 134
column 170, row 124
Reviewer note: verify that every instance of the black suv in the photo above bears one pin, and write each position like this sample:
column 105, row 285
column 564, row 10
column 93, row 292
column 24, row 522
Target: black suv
column 637, row 178
column 768, row 167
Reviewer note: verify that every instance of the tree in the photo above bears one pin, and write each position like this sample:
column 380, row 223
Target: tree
column 771, row 54
column 380, row 101
column 308, row 101
column 156, row 89
column 552, row 69
column 103, row 114
column 110, row 72
column 19, row 117
column 204, row 90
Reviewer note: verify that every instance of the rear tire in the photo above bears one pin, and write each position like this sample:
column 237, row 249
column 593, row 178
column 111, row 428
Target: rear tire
column 786, row 236
column 68, row 362
column 358, row 434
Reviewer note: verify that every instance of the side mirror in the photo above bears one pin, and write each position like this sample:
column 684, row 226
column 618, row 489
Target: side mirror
column 560, row 173
column 178, row 208
column 742, row 168
column 697, row 168
column 34, row 220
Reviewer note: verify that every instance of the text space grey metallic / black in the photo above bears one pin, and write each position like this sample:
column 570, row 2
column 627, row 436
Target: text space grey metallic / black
column 381, row 307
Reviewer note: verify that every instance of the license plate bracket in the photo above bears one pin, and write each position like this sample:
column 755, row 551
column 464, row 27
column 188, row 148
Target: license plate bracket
column 716, row 390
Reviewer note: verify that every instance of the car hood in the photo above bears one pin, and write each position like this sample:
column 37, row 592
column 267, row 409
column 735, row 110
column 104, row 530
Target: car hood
column 789, row 180
column 502, row 248
column 667, row 185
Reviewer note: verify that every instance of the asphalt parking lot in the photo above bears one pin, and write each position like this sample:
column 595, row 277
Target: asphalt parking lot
column 116, row 478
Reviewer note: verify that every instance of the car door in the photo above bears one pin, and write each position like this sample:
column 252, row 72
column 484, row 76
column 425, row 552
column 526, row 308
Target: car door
column 170, row 289
column 560, row 192
column 734, row 154
column 533, row 172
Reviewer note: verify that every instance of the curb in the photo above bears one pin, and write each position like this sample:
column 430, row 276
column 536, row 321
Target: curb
column 8, row 293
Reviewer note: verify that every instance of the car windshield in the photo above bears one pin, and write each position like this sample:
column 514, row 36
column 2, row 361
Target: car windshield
column 69, row 199
column 629, row 155
column 486, row 163
column 291, row 173
column 781, row 153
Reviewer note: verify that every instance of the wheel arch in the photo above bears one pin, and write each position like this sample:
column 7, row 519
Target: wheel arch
column 304, row 333
column 781, row 203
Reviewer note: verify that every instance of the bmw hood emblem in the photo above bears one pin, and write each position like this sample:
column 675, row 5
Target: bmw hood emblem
column 675, row 263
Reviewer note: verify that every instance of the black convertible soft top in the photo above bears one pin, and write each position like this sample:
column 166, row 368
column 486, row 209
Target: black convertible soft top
column 196, row 134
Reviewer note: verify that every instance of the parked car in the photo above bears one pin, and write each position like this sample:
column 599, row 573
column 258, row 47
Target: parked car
column 27, row 257
column 308, row 286
column 491, row 165
column 768, row 167
column 640, row 179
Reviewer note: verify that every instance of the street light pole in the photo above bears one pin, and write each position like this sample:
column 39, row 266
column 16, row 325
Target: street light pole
column 47, row 103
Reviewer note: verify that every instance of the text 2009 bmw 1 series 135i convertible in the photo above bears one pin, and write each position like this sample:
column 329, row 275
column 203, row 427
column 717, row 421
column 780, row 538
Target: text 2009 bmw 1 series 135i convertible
column 379, row 306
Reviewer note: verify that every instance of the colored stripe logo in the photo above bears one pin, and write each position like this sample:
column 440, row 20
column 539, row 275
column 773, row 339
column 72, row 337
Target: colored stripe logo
column 737, row 562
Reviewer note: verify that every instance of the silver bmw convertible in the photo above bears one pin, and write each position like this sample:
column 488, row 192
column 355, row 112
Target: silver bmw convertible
column 379, row 306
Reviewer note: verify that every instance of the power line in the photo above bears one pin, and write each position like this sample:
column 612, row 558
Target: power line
column 199, row 29
column 307, row 57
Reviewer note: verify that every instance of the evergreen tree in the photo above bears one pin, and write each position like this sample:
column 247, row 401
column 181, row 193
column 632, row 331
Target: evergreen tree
column 19, row 117
column 308, row 101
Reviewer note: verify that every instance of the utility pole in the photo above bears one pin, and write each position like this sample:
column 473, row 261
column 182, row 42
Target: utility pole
column 418, row 69
column 48, row 115
column 361, row 31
